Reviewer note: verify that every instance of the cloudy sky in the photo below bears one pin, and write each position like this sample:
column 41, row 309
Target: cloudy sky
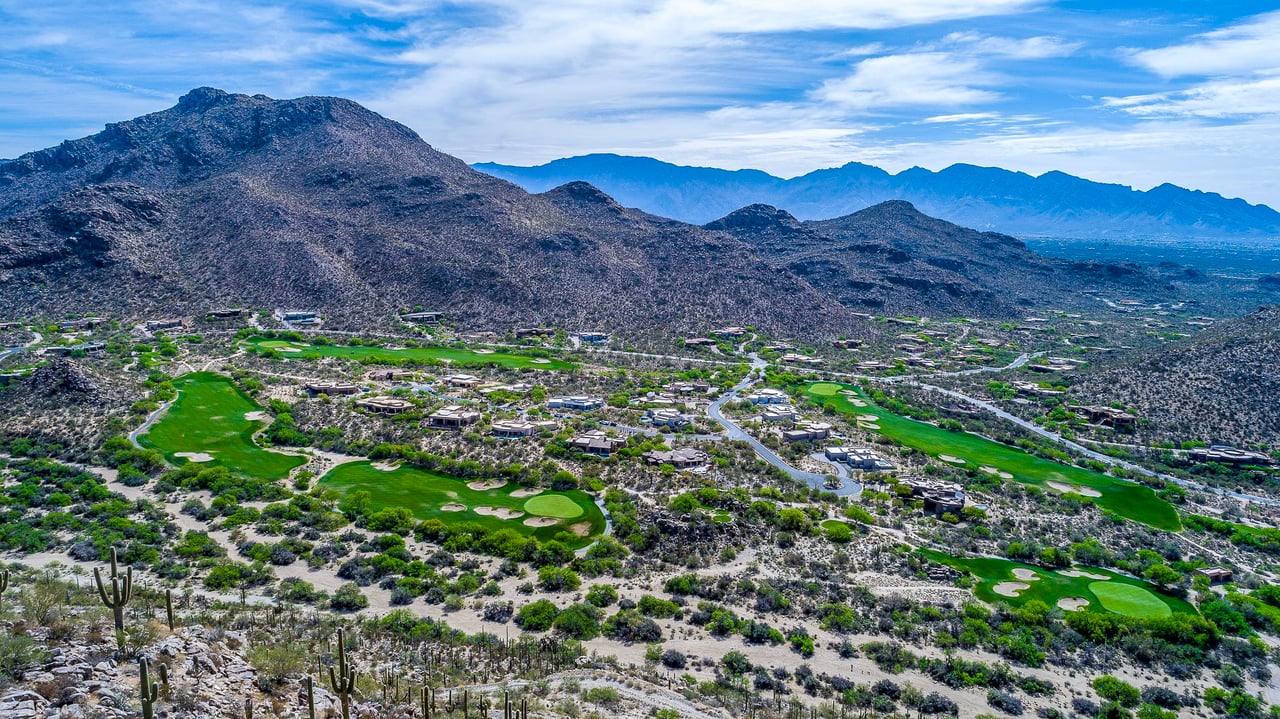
column 1126, row 91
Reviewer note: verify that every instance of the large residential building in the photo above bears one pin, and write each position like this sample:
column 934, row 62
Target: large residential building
column 390, row 375
column 165, row 324
column 385, row 405
column 577, row 403
column 681, row 458
column 768, row 395
column 779, row 414
column 597, row 443
column 594, row 338
column 299, row 317
column 667, row 417
column 518, row 428
column 422, row 318
column 1099, row 414
column 1228, row 455
column 89, row 348
column 938, row 496
column 463, row 380
column 522, row 332
column 807, row 432
column 859, row 458
column 452, row 417
column 225, row 314
column 332, row 388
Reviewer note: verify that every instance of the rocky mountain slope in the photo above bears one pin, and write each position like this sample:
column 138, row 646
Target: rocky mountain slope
column 1054, row 204
column 319, row 203
column 892, row 258
column 1225, row 378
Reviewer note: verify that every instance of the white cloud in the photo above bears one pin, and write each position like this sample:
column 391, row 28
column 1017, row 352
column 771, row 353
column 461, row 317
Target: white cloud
column 1032, row 48
column 1241, row 48
column 1217, row 99
column 933, row 79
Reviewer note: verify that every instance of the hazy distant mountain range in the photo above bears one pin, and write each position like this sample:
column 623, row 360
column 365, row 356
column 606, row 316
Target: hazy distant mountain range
column 1054, row 204
column 318, row 203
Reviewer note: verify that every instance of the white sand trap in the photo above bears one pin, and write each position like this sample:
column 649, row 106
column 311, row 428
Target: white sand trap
column 541, row 360
column 1006, row 475
column 499, row 512
column 990, row 470
column 290, row 349
column 868, row 418
column 581, row 529
column 385, row 466
column 869, row 425
column 1085, row 575
column 1082, row 491
column 951, row 459
column 1010, row 589
column 195, row 456
column 1026, row 575
column 522, row 493
column 1071, row 604
column 540, row 521
column 255, row 415
column 454, row 507
column 487, row 485
column 847, row 392
column 483, row 351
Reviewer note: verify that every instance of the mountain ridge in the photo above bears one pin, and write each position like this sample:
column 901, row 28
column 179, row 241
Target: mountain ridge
column 985, row 198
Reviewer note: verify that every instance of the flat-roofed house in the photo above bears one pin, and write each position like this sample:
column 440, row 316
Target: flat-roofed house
column 667, row 417
column 577, row 403
column 681, row 458
column 390, row 375
column 332, row 388
column 463, row 380
column 518, row 428
column 807, row 432
column 597, row 443
column 768, row 395
column 422, row 318
column 452, row 417
column 1216, row 575
column 385, row 405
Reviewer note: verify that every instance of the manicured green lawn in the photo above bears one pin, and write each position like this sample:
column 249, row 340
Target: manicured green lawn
column 1117, row 593
column 459, row 357
column 1128, row 499
column 427, row 493
column 553, row 505
column 1129, row 600
column 208, row 417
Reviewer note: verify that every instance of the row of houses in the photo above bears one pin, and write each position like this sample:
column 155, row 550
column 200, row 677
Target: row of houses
column 1228, row 455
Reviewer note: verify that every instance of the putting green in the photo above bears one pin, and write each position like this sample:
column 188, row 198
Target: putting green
column 1117, row 593
column 553, row 505
column 456, row 356
column 825, row 389
column 1129, row 600
column 1127, row 499
column 426, row 494
column 208, row 418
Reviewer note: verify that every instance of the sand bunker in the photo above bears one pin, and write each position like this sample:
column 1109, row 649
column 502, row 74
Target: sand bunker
column 1071, row 604
column 454, row 507
column 581, row 529
column 1082, row 491
column 857, row 403
column 1010, row 589
column 255, row 415
column 990, row 470
column 868, row 418
column 499, row 512
column 1086, row 575
column 522, row 493
column 487, row 485
column 1026, row 575
column 1006, row 475
column 951, row 459
column 541, row 360
column 195, row 456
column 868, row 425
column 540, row 521
column 483, row 351
column 385, row 466
column 290, row 349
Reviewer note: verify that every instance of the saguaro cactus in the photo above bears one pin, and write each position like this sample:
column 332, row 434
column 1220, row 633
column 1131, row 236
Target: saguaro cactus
column 344, row 680
column 147, row 690
column 168, row 608
column 121, row 593
column 311, row 697
column 4, row 586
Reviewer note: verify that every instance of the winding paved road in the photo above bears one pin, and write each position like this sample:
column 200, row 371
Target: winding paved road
column 733, row 431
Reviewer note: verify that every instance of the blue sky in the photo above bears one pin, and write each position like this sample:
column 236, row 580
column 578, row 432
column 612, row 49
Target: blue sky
column 1138, row 93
